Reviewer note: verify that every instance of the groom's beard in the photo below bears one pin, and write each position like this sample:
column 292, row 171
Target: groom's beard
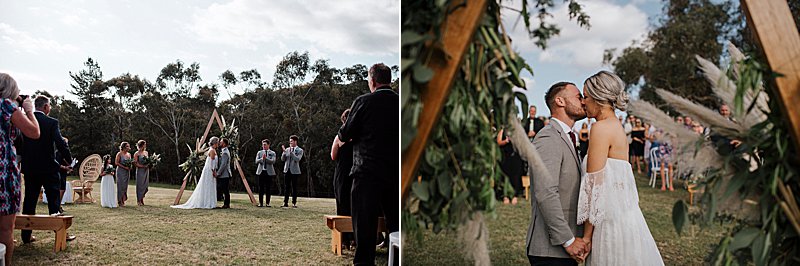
column 575, row 112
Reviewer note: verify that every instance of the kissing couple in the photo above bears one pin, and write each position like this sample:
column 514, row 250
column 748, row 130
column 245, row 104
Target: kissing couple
column 586, row 209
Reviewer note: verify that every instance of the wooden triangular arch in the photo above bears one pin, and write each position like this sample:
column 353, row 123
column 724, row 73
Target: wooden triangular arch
column 198, row 144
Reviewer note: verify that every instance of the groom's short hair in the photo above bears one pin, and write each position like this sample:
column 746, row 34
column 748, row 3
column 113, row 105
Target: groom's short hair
column 225, row 141
column 550, row 96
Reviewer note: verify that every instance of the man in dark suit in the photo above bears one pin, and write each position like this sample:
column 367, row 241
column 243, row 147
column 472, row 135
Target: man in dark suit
column 39, row 165
column 373, row 127
column 532, row 125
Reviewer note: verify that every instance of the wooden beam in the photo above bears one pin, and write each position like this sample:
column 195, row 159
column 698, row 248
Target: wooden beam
column 215, row 117
column 459, row 28
column 776, row 32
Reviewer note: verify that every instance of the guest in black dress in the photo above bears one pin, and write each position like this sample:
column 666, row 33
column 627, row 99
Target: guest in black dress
column 342, row 153
column 584, row 139
column 511, row 166
column 637, row 145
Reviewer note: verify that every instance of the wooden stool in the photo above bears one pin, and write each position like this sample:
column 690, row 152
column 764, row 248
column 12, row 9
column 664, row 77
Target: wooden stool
column 344, row 224
column 58, row 224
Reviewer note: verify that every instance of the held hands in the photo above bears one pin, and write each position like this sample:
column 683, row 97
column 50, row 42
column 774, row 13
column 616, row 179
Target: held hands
column 579, row 249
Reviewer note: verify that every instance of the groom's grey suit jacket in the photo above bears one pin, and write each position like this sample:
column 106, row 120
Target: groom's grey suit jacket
column 224, row 164
column 554, row 208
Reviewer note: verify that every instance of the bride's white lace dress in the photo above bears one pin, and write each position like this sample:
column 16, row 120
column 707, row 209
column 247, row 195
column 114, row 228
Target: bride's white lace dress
column 609, row 200
column 205, row 194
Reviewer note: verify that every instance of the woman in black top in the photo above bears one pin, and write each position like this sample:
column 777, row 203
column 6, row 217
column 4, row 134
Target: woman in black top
column 342, row 153
column 584, row 139
column 511, row 166
column 637, row 145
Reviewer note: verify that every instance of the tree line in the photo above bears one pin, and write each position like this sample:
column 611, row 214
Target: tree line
column 304, row 98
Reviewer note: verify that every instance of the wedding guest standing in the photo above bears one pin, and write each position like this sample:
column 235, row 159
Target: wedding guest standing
column 511, row 165
column 342, row 153
column 123, row 172
column 291, row 170
column 64, row 169
column 142, row 171
column 532, row 124
column 637, row 146
column 108, row 197
column 265, row 159
column 39, row 164
column 583, row 139
column 12, row 121
column 373, row 126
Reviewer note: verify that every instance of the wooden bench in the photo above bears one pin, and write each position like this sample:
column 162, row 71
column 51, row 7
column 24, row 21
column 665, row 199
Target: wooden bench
column 526, row 184
column 57, row 224
column 343, row 224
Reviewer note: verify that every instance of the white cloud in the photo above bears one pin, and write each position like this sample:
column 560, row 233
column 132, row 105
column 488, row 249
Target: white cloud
column 23, row 41
column 351, row 27
column 612, row 26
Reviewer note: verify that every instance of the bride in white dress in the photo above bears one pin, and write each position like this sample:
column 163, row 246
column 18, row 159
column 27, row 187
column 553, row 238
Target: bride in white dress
column 205, row 194
column 615, row 230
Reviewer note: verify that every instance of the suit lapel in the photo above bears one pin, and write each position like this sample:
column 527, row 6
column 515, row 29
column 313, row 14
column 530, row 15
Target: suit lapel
column 567, row 142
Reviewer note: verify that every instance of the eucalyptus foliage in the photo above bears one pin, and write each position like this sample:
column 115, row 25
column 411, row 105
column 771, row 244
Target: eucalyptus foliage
column 458, row 169
column 765, row 163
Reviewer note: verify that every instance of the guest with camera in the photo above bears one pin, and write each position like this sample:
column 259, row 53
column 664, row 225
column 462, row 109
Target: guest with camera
column 14, row 120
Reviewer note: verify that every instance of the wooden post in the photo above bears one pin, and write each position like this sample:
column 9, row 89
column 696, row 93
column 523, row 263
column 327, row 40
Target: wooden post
column 459, row 28
column 246, row 185
column 776, row 32
column 215, row 116
column 180, row 192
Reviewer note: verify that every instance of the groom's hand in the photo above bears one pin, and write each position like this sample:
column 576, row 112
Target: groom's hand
column 577, row 250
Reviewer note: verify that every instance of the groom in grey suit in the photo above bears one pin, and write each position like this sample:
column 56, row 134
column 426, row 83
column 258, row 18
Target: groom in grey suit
column 223, row 174
column 553, row 235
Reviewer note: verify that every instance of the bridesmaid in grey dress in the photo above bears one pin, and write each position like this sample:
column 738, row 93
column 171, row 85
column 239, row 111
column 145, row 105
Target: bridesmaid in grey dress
column 142, row 177
column 123, row 172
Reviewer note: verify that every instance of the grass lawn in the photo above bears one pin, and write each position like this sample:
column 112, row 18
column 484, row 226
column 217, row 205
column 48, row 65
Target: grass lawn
column 508, row 230
column 158, row 234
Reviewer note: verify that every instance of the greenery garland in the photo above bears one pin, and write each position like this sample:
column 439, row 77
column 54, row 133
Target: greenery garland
column 458, row 167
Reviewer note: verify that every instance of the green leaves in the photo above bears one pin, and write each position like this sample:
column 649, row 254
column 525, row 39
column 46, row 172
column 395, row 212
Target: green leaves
column 680, row 214
column 743, row 238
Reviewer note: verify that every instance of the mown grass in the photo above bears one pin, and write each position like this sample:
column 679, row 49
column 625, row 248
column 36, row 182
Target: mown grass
column 159, row 235
column 508, row 229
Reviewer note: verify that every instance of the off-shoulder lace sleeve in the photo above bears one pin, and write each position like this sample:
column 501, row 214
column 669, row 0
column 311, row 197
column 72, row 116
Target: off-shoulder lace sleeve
column 591, row 200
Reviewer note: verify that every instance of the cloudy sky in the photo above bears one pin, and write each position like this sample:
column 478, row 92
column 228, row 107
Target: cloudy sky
column 42, row 41
column 577, row 53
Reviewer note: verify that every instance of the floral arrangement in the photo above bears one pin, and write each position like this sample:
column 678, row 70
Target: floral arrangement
column 194, row 162
column 231, row 133
column 127, row 163
column 151, row 161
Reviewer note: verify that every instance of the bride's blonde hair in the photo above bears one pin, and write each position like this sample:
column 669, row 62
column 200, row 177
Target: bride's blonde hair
column 212, row 141
column 608, row 89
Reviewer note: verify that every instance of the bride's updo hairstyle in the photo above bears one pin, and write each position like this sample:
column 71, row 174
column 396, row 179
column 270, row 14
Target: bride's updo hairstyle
column 608, row 89
column 212, row 141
